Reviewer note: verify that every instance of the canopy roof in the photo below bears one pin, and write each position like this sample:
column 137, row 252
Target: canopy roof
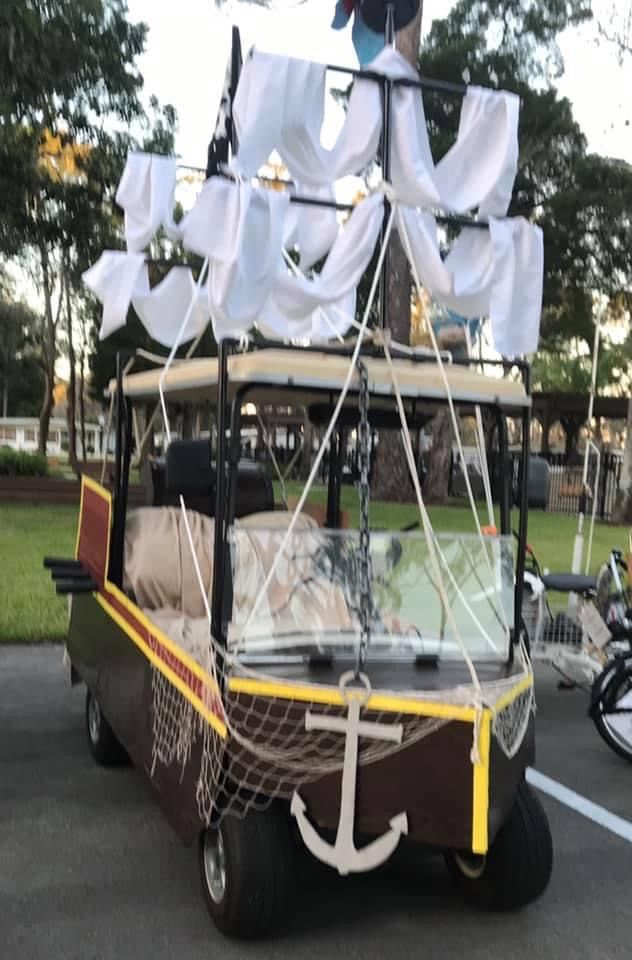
column 270, row 374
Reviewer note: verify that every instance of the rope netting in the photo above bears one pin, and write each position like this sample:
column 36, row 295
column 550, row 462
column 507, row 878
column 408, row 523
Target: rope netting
column 269, row 753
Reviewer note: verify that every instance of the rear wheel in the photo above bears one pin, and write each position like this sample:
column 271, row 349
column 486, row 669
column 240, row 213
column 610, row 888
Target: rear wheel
column 103, row 744
column 611, row 706
column 517, row 868
column 247, row 872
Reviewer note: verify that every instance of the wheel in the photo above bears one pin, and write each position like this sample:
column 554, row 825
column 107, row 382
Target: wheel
column 611, row 706
column 104, row 747
column 247, row 871
column 517, row 868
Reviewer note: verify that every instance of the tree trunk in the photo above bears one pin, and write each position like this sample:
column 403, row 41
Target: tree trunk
column 48, row 347
column 82, row 402
column 71, row 398
column 623, row 505
column 306, row 452
column 5, row 383
column 392, row 480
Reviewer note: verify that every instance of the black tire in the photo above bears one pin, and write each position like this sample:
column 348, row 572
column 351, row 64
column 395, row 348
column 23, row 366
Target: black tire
column 612, row 684
column 259, row 872
column 518, row 865
column 103, row 744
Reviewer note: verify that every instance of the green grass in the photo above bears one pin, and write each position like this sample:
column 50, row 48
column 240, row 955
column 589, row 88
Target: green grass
column 31, row 612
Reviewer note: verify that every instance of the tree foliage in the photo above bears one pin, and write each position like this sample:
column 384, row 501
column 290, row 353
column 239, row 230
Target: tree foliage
column 582, row 201
column 70, row 110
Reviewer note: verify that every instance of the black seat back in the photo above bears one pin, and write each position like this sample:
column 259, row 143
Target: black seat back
column 188, row 471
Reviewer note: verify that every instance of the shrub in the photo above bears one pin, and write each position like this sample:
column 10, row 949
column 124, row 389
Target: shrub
column 19, row 463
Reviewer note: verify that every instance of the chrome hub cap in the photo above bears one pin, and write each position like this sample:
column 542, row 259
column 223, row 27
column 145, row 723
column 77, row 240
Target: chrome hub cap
column 215, row 864
column 94, row 720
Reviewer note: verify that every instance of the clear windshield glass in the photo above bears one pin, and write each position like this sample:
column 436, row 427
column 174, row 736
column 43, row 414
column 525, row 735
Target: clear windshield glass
column 313, row 600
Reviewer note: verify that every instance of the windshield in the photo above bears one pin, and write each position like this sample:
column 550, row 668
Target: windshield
column 313, row 600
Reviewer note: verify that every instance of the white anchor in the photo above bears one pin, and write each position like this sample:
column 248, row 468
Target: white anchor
column 343, row 854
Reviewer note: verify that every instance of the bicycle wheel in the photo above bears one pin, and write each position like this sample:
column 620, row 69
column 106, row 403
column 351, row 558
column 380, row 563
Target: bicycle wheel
column 611, row 706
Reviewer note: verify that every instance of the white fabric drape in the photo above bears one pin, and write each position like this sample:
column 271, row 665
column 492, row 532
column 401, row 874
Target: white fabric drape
column 322, row 307
column 477, row 172
column 496, row 273
column 240, row 229
column 312, row 229
column 146, row 193
column 163, row 308
column 280, row 105
column 120, row 279
column 114, row 279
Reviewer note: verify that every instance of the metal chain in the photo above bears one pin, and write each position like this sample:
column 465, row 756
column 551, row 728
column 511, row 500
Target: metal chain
column 364, row 492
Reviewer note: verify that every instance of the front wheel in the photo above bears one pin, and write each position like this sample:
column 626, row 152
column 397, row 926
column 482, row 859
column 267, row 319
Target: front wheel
column 611, row 706
column 103, row 744
column 517, row 868
column 247, row 871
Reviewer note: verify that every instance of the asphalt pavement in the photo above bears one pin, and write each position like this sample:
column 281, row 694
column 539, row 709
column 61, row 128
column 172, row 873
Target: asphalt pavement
column 89, row 869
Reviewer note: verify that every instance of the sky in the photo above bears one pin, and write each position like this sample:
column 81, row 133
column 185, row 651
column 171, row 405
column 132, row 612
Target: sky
column 189, row 42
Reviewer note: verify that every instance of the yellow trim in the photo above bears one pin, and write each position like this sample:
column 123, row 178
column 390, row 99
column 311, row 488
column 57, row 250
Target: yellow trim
column 218, row 725
column 480, row 797
column 377, row 701
column 333, row 697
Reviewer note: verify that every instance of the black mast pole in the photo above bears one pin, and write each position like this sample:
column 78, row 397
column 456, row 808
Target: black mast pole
column 387, row 91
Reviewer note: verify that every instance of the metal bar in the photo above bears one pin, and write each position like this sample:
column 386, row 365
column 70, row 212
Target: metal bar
column 523, row 527
column 69, row 563
column 334, row 480
column 217, row 629
column 115, row 568
column 64, row 587
column 505, row 490
column 444, row 219
column 421, row 83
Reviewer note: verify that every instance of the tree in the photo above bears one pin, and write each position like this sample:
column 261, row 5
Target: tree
column 20, row 377
column 68, row 78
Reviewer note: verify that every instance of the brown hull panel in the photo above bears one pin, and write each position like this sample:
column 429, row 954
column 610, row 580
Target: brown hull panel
column 431, row 779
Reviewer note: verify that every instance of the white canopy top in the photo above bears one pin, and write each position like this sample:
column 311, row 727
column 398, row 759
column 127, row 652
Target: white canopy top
column 272, row 371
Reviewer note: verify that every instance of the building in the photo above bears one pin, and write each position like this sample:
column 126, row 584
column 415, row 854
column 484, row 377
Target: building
column 22, row 433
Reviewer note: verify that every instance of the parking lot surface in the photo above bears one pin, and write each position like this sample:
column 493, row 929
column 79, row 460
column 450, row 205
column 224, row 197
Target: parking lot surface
column 90, row 870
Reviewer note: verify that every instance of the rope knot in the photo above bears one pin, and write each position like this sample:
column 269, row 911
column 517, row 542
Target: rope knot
column 387, row 190
column 381, row 337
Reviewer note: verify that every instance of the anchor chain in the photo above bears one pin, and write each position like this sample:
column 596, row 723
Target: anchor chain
column 364, row 492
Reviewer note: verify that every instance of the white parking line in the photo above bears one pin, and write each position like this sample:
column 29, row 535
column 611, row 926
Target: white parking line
column 617, row 825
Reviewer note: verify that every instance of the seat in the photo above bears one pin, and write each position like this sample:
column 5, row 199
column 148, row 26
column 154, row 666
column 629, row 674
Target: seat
column 570, row 582
column 188, row 471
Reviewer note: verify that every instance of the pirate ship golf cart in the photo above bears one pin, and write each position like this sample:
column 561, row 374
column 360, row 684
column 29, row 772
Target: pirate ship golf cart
column 277, row 680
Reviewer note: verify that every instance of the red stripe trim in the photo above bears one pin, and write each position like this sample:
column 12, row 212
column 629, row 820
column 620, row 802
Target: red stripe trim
column 196, row 685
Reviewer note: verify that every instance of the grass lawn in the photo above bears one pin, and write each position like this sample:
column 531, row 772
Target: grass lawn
column 31, row 612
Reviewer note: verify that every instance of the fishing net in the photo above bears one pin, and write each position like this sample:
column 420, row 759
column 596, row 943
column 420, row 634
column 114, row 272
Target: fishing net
column 310, row 614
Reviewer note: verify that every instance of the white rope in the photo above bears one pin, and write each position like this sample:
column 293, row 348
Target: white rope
column 480, row 444
column 455, row 423
column 330, row 429
column 275, row 464
column 434, row 559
